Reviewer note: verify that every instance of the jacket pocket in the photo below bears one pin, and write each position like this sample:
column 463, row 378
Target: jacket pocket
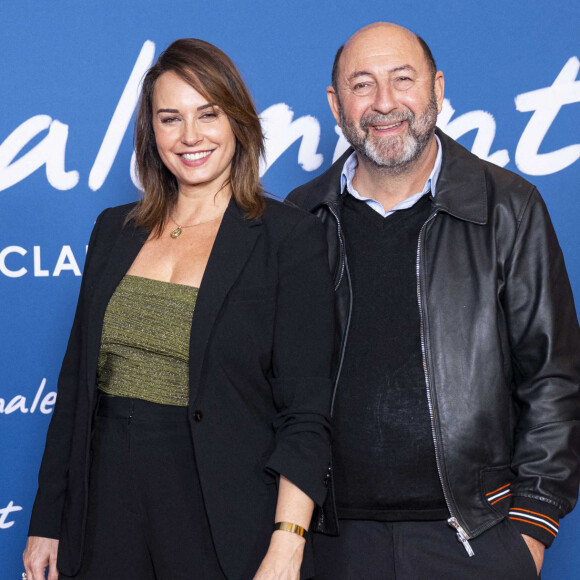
column 496, row 487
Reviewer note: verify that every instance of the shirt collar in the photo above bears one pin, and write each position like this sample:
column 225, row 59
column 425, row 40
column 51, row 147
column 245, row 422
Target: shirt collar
column 347, row 176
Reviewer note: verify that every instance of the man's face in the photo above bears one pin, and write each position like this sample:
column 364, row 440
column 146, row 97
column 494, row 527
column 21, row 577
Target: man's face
column 388, row 100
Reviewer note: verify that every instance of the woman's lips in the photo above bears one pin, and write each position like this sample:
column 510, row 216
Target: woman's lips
column 195, row 159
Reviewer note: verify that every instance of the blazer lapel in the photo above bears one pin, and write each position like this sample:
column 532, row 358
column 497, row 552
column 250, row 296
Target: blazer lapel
column 232, row 248
column 124, row 251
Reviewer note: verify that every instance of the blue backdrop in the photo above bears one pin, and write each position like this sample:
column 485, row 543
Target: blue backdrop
column 70, row 72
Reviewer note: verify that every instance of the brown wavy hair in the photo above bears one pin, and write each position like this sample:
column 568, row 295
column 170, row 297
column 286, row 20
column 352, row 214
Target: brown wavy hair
column 214, row 76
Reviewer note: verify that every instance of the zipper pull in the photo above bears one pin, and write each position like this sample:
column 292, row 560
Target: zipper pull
column 461, row 535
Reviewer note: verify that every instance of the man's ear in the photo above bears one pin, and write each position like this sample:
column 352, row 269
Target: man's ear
column 333, row 102
column 439, row 89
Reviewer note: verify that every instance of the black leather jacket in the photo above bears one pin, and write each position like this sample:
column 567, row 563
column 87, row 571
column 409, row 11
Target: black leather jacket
column 499, row 333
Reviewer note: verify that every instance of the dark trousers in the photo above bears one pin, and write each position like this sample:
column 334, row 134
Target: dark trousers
column 146, row 516
column 367, row 550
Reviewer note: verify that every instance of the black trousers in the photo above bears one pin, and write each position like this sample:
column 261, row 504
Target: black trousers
column 146, row 516
column 367, row 550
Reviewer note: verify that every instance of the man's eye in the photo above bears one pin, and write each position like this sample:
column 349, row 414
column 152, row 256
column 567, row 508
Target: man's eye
column 404, row 82
column 362, row 88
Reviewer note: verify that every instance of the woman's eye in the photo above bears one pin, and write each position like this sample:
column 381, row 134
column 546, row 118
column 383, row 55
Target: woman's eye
column 167, row 120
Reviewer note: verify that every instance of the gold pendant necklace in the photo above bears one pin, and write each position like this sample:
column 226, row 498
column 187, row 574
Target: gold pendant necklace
column 175, row 233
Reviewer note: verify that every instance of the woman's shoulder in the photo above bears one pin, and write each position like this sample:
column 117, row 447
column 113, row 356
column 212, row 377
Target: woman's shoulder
column 111, row 220
column 112, row 216
column 109, row 224
column 287, row 223
column 282, row 213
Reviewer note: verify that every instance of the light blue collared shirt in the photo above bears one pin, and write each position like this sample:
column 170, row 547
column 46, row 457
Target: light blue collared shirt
column 347, row 176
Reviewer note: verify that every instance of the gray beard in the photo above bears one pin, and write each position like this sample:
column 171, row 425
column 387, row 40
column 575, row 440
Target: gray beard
column 396, row 154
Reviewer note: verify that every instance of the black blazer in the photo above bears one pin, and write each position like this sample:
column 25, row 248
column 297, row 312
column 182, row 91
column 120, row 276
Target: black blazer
column 259, row 379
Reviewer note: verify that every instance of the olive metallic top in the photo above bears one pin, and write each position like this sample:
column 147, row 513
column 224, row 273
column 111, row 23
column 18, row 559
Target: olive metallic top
column 145, row 341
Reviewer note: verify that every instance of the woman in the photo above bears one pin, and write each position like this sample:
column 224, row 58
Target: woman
column 182, row 437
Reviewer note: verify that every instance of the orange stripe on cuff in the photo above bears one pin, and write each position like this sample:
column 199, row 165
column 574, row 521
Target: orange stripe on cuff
column 534, row 524
column 498, row 489
column 536, row 514
column 494, row 502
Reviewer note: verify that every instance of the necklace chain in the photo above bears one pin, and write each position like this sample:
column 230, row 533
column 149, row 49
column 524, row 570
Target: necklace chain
column 176, row 232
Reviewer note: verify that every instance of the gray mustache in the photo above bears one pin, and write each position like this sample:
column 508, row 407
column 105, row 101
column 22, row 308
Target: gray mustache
column 378, row 119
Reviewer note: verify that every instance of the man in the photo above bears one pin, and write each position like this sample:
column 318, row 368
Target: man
column 456, row 408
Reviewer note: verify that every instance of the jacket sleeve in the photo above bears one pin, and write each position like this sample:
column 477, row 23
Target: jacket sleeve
column 52, row 478
column 545, row 346
column 302, row 353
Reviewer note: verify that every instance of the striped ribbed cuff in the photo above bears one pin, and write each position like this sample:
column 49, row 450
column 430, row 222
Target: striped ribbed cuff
column 535, row 518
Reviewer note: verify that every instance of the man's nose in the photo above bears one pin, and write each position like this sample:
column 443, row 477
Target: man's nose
column 385, row 100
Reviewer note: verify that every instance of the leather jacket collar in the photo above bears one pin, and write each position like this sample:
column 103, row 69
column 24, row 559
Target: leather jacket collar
column 461, row 187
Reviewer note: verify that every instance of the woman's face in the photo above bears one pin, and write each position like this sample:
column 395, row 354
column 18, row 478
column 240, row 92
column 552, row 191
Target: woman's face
column 194, row 138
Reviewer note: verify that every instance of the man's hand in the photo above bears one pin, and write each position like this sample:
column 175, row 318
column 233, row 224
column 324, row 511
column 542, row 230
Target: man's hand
column 38, row 554
column 537, row 550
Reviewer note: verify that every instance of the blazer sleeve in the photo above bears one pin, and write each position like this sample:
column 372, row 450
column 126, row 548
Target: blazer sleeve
column 302, row 355
column 53, row 475
column 545, row 343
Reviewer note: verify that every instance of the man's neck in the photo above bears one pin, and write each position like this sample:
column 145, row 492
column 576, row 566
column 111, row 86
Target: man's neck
column 391, row 187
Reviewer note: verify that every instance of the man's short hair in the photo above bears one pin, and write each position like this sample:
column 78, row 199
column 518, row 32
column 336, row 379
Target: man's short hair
column 428, row 56
column 334, row 77
column 426, row 51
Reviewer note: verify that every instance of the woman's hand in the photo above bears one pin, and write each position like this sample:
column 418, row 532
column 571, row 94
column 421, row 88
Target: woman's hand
column 38, row 554
column 283, row 559
column 284, row 556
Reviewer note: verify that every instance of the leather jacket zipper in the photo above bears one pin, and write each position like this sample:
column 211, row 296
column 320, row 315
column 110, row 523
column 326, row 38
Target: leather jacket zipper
column 343, row 269
column 340, row 273
column 462, row 535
